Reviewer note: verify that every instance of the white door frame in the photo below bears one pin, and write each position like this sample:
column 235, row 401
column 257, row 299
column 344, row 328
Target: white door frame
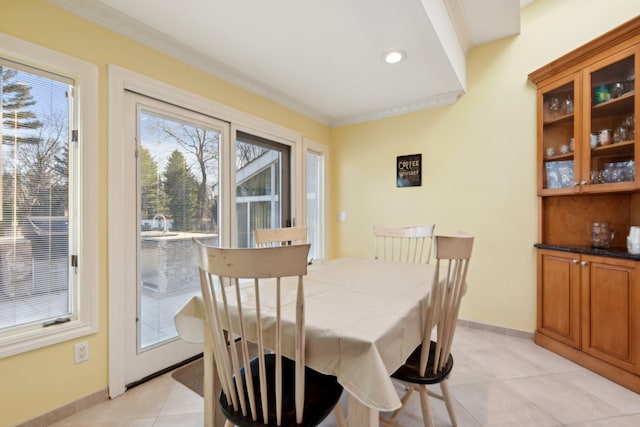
column 323, row 151
column 155, row 358
column 119, row 254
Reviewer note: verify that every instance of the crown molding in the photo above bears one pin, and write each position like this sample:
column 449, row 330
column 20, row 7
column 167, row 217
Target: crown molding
column 120, row 23
column 105, row 16
column 615, row 37
column 439, row 100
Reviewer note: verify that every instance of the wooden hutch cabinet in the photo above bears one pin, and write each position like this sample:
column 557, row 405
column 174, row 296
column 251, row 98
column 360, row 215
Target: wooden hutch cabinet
column 588, row 298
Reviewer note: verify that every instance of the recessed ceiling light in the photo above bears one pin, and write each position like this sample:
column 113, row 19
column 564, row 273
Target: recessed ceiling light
column 394, row 56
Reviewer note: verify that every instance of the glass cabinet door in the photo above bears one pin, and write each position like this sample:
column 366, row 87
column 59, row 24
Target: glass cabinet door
column 610, row 123
column 559, row 139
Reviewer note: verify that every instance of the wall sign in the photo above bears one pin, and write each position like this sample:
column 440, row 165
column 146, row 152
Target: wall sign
column 409, row 171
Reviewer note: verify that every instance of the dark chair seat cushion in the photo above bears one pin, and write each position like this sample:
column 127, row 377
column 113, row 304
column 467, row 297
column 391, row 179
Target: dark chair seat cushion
column 322, row 393
column 410, row 371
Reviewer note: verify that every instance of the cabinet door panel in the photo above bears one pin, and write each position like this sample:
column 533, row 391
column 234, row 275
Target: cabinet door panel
column 558, row 297
column 559, row 137
column 609, row 95
column 610, row 329
column 610, row 321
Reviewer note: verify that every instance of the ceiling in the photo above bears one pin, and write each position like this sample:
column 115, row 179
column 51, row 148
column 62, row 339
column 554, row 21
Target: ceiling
column 322, row 58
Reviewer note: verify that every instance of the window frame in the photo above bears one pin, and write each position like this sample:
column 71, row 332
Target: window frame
column 322, row 151
column 84, row 319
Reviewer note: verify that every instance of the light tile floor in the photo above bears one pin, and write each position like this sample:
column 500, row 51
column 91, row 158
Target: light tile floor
column 497, row 380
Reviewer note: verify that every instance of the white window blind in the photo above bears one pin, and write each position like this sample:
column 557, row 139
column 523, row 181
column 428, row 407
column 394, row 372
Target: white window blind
column 35, row 227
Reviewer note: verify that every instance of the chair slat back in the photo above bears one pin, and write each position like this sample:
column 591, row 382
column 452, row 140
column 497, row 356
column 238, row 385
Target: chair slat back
column 411, row 244
column 452, row 255
column 266, row 237
column 232, row 318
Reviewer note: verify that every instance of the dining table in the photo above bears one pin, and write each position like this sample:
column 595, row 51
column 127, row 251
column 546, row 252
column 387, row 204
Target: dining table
column 363, row 318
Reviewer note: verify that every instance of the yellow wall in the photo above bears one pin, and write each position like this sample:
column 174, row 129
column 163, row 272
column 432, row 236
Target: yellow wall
column 478, row 161
column 478, row 170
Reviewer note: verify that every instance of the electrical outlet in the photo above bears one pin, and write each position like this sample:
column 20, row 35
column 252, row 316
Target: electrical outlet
column 81, row 353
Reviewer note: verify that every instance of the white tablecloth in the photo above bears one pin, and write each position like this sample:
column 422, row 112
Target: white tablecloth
column 363, row 319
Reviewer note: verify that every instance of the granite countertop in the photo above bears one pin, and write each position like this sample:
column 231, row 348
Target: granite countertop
column 588, row 250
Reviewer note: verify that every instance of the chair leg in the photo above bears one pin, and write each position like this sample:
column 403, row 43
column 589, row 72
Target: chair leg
column 341, row 421
column 447, row 401
column 228, row 424
column 389, row 422
column 426, row 407
column 403, row 402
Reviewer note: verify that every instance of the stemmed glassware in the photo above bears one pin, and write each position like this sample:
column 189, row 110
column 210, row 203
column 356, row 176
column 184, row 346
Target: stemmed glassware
column 630, row 81
column 568, row 104
column 629, row 123
column 554, row 106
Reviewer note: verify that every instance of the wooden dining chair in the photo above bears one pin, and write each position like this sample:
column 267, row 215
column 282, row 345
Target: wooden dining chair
column 266, row 237
column 269, row 389
column 403, row 244
column 431, row 362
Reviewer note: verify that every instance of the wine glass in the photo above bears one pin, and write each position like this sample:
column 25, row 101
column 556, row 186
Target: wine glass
column 629, row 124
column 568, row 105
column 630, row 81
column 617, row 89
column 554, row 106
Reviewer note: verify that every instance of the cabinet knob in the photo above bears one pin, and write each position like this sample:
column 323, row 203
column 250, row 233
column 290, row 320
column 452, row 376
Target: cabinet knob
column 583, row 182
column 575, row 261
column 584, row 263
